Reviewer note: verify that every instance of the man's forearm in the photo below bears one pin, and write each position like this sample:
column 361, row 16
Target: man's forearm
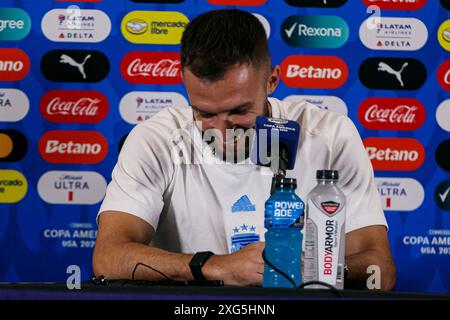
column 358, row 270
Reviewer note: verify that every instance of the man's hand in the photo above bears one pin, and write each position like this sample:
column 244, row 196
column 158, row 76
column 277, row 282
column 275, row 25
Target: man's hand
column 243, row 268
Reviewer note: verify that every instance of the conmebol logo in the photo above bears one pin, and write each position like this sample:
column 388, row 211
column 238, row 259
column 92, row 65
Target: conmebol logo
column 328, row 72
column 74, row 106
column 80, row 147
column 396, row 4
column 391, row 114
column 152, row 67
column 395, row 154
column 14, row 64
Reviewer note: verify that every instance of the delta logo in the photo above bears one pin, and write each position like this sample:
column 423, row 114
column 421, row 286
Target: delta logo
column 391, row 114
column 14, row 64
column 72, row 106
column 396, row 4
column 13, row 186
column 15, row 24
column 395, row 154
column 400, row 194
column 154, row 27
column 152, row 67
column 73, row 147
column 327, row 72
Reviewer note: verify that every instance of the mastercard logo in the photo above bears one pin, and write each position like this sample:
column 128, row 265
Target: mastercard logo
column 13, row 146
column 13, row 186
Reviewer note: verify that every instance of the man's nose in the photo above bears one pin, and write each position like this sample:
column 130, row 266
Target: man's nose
column 223, row 123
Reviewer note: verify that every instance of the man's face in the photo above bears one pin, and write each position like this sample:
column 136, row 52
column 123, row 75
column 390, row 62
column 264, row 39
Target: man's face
column 230, row 105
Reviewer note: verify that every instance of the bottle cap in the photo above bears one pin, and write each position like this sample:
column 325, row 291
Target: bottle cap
column 327, row 174
column 285, row 182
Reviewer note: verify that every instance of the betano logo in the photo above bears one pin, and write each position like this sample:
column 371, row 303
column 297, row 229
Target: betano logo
column 391, row 114
column 400, row 194
column 72, row 187
column 69, row 25
column 328, row 72
column 315, row 31
column 444, row 35
column 13, row 186
column 14, row 64
column 14, row 105
column 396, row 4
column 15, row 24
column 395, row 154
column 154, row 27
column 77, row 147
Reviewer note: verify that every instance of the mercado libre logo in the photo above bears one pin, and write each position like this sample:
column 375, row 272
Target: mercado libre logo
column 444, row 35
column 315, row 31
column 442, row 195
column 13, row 145
column 15, row 24
column 154, row 27
column 13, row 186
column 315, row 3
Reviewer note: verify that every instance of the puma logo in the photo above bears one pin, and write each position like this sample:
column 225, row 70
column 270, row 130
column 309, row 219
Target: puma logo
column 70, row 61
column 384, row 67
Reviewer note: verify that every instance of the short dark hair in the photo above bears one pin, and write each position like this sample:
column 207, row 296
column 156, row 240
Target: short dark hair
column 216, row 40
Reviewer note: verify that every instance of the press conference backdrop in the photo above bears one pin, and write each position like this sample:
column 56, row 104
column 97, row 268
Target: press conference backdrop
column 76, row 76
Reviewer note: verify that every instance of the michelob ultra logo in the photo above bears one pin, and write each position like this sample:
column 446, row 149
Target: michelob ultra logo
column 77, row 147
column 14, row 105
column 76, row 25
column 328, row 72
column 315, row 31
column 13, row 186
column 14, row 64
column 395, row 154
column 15, row 24
column 400, row 194
column 396, row 4
column 13, row 145
column 72, row 187
column 154, row 27
column 444, row 35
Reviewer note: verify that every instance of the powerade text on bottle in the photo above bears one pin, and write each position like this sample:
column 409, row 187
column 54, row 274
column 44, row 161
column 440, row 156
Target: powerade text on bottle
column 325, row 232
column 283, row 247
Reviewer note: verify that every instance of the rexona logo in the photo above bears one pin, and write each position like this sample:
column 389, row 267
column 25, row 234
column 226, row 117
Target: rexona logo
column 401, row 34
column 400, row 194
column 14, row 105
column 444, row 35
column 315, row 31
column 237, row 2
column 13, row 186
column 328, row 103
column 15, row 24
column 316, row 3
column 328, row 72
column 442, row 195
column 443, row 155
column 136, row 107
column 154, row 27
column 78, row 147
column 13, row 146
column 443, row 115
column 443, row 75
column 391, row 114
column 74, row 106
column 395, row 154
column 14, row 64
column 152, row 67
column 75, row 66
column 396, row 4
column 76, row 25
column 392, row 73
column 72, row 187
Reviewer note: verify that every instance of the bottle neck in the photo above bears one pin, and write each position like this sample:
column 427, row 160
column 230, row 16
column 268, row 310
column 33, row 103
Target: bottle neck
column 326, row 181
column 286, row 189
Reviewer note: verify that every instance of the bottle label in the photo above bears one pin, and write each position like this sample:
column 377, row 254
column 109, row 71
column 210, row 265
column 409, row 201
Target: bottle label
column 284, row 214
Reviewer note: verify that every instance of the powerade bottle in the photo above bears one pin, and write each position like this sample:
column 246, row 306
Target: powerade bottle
column 283, row 247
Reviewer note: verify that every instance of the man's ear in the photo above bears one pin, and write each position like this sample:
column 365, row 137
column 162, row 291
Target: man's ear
column 274, row 79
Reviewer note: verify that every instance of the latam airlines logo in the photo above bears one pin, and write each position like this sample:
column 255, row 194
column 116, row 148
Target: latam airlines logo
column 395, row 154
column 152, row 67
column 154, row 27
column 14, row 64
column 402, row 34
column 14, row 105
column 315, row 31
column 77, row 147
column 72, row 187
column 136, row 107
column 74, row 106
column 15, row 24
column 400, row 194
column 396, row 4
column 13, row 186
column 317, row 3
column 328, row 72
column 391, row 114
column 328, row 103
column 76, row 25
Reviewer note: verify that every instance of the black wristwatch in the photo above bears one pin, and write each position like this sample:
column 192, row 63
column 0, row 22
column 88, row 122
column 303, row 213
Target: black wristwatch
column 197, row 262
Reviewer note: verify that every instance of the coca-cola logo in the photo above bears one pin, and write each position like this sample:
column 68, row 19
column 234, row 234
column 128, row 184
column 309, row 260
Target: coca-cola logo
column 395, row 154
column 443, row 75
column 152, row 67
column 76, row 147
column 74, row 106
column 14, row 64
column 391, row 114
